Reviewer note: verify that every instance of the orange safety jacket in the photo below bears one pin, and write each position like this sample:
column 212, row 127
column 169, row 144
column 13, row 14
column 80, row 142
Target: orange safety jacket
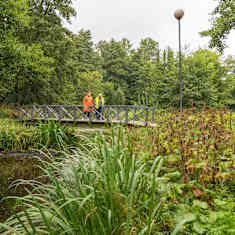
column 87, row 103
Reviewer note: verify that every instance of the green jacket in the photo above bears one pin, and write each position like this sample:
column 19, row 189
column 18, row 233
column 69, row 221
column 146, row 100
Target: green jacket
column 97, row 102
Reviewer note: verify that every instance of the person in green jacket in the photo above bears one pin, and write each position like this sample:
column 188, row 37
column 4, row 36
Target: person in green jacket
column 99, row 104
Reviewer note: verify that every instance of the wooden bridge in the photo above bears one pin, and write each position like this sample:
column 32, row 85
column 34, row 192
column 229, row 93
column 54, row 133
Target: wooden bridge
column 133, row 115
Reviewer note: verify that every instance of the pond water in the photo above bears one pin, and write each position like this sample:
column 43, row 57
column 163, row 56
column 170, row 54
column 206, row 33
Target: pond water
column 15, row 166
column 18, row 165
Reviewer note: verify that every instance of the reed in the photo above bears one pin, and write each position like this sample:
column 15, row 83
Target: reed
column 106, row 191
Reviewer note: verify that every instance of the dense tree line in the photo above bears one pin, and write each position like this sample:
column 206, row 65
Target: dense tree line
column 41, row 61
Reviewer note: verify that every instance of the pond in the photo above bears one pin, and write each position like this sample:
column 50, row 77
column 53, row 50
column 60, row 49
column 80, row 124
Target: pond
column 15, row 166
column 23, row 164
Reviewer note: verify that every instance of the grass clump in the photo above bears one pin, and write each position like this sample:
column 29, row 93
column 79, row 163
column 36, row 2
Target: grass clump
column 54, row 136
column 15, row 137
column 8, row 112
column 106, row 191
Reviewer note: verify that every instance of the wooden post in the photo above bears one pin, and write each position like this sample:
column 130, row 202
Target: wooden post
column 20, row 113
column 118, row 113
column 126, row 114
column 32, row 112
column 147, row 114
column 153, row 114
column 135, row 114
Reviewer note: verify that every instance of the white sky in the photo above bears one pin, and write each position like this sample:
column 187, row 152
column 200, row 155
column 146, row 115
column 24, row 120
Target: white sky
column 138, row 19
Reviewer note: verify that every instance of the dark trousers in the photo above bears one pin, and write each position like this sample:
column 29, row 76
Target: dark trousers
column 87, row 114
column 98, row 113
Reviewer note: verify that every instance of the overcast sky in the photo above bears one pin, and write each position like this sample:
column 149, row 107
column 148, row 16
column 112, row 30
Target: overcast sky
column 138, row 19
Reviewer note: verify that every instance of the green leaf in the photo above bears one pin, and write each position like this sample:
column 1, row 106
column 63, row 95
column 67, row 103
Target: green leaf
column 190, row 217
column 214, row 216
column 174, row 176
column 198, row 228
column 219, row 202
column 201, row 204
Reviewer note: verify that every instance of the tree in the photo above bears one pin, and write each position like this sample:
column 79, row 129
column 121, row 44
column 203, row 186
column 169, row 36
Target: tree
column 168, row 89
column 205, row 79
column 85, row 81
column 43, row 62
column 113, row 96
column 148, row 50
column 85, row 57
column 223, row 21
column 46, row 29
column 28, row 76
column 143, row 73
column 13, row 14
column 116, row 63
column 24, row 69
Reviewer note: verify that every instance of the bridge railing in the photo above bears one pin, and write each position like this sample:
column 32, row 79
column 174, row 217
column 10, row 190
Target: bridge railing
column 110, row 113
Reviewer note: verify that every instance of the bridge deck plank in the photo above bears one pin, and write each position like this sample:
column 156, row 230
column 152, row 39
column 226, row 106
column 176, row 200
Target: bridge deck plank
column 132, row 123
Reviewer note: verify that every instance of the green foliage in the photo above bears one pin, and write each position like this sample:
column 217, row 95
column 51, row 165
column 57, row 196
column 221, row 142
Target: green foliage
column 30, row 70
column 85, row 81
column 54, row 136
column 113, row 96
column 205, row 79
column 198, row 171
column 85, row 58
column 16, row 137
column 24, row 68
column 116, row 63
column 43, row 62
column 223, row 18
column 177, row 177
column 7, row 112
column 12, row 14
column 101, row 192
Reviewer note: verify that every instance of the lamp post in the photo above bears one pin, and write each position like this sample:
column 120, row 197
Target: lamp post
column 178, row 15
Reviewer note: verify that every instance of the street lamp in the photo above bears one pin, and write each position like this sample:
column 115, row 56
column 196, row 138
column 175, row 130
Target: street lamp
column 178, row 15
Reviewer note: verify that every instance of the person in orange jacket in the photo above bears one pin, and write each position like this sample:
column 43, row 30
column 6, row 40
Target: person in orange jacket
column 87, row 104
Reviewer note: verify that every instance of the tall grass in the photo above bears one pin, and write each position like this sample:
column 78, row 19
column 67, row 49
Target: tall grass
column 54, row 136
column 103, row 191
column 118, row 184
column 8, row 111
column 19, row 137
